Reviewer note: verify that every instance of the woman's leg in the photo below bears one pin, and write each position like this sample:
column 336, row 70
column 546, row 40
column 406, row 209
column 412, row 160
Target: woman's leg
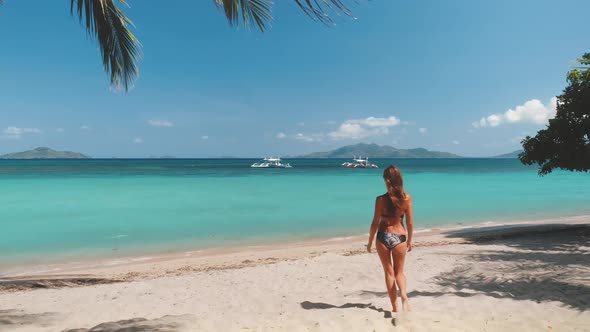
column 399, row 259
column 385, row 256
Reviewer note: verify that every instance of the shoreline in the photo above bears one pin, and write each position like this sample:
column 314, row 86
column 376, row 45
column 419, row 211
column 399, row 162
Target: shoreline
column 524, row 277
column 138, row 266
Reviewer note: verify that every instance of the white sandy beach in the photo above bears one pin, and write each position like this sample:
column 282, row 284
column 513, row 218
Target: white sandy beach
column 529, row 278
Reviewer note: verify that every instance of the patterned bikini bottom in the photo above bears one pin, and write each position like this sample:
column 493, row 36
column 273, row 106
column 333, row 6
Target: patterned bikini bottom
column 391, row 240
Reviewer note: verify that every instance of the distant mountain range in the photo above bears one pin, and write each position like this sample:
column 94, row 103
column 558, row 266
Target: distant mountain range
column 513, row 154
column 379, row 151
column 44, row 153
column 349, row 151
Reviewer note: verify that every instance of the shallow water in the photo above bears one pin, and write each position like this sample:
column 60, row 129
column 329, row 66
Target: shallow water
column 68, row 209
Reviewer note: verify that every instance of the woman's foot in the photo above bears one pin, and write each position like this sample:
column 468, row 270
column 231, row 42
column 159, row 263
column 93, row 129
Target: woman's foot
column 406, row 305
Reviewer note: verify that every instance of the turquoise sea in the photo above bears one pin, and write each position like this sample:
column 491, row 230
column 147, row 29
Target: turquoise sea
column 67, row 209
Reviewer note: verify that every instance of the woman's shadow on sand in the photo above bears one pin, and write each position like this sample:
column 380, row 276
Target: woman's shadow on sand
column 307, row 305
column 545, row 263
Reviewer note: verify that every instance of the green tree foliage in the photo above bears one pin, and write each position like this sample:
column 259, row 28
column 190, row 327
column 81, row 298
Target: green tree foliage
column 565, row 143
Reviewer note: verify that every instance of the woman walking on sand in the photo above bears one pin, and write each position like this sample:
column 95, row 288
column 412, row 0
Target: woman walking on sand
column 393, row 241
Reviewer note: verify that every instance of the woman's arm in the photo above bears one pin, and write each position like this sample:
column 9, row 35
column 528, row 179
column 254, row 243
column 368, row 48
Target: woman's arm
column 374, row 224
column 410, row 223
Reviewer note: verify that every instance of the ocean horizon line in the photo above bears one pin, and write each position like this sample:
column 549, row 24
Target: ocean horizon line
column 245, row 158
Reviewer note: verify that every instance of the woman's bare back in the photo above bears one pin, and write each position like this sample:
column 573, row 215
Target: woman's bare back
column 392, row 217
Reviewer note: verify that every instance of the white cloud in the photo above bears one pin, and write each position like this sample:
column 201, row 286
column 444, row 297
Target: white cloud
column 85, row 127
column 313, row 137
column 377, row 122
column 302, row 137
column 160, row 123
column 349, row 130
column 138, row 140
column 59, row 130
column 456, row 142
column 533, row 111
column 309, row 137
column 21, row 131
column 422, row 130
column 204, row 137
column 362, row 128
column 17, row 133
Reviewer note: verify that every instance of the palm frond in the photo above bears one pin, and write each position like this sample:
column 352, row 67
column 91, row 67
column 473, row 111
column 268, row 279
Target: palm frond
column 318, row 9
column 252, row 12
column 258, row 12
column 119, row 48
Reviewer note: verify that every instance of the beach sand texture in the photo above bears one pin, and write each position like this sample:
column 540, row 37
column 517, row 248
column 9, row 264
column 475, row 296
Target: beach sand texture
column 530, row 278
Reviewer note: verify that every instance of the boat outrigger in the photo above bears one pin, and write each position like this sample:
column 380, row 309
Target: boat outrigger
column 359, row 163
column 270, row 163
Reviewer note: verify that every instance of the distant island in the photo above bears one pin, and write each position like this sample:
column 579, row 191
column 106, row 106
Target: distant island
column 379, row 151
column 349, row 151
column 44, row 153
column 162, row 157
column 513, row 154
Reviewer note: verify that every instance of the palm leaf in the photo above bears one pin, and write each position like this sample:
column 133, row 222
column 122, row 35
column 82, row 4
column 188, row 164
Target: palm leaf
column 258, row 12
column 252, row 12
column 318, row 9
column 119, row 48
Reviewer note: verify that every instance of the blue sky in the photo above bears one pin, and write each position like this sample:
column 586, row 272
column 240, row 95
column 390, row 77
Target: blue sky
column 468, row 77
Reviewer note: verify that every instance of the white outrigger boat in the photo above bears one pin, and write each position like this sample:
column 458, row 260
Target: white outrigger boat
column 271, row 163
column 359, row 163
